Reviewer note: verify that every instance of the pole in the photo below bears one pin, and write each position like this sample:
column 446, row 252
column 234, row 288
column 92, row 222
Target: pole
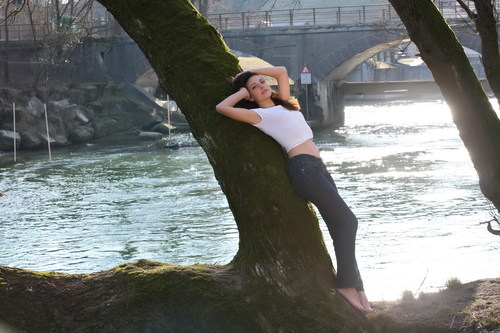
column 14, row 125
column 307, row 103
column 168, row 115
column 47, row 127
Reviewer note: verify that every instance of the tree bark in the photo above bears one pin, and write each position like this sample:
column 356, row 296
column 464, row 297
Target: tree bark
column 477, row 122
column 486, row 26
column 281, row 279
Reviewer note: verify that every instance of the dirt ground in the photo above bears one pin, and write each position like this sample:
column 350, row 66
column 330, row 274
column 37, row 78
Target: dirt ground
column 468, row 307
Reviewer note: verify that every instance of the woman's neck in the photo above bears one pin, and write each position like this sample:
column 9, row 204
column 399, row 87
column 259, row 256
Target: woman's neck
column 267, row 104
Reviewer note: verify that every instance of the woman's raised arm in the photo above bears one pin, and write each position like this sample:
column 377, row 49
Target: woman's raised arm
column 281, row 75
column 226, row 107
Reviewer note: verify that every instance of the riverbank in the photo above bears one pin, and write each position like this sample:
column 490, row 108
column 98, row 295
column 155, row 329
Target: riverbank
column 468, row 307
column 76, row 114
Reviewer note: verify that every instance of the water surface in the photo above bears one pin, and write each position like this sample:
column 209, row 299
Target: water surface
column 400, row 166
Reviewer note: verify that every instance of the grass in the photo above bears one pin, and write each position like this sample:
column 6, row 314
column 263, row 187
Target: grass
column 453, row 283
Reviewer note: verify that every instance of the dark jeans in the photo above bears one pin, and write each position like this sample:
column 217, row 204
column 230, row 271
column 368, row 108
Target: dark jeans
column 312, row 181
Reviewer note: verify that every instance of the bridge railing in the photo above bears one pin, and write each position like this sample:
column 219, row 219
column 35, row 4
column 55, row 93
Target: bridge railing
column 368, row 14
column 23, row 32
column 345, row 15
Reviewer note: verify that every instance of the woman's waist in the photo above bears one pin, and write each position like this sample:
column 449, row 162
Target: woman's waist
column 306, row 148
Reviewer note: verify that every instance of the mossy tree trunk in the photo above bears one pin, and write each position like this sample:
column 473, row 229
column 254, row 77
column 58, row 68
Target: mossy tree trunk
column 281, row 279
column 477, row 122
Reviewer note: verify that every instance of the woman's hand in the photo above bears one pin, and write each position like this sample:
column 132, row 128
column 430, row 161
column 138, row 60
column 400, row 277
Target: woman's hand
column 280, row 74
column 244, row 93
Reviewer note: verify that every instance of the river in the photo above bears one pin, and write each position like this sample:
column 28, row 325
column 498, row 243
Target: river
column 400, row 166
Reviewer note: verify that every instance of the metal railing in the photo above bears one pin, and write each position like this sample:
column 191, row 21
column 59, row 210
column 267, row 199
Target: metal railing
column 304, row 17
column 24, row 32
column 347, row 15
column 310, row 17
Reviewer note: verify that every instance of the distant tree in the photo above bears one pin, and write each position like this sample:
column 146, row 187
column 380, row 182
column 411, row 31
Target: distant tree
column 10, row 10
column 55, row 25
column 474, row 116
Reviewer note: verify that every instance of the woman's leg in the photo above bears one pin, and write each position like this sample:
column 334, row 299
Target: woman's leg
column 312, row 181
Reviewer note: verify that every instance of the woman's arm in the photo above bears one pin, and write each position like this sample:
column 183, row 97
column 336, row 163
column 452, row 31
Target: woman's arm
column 281, row 75
column 226, row 107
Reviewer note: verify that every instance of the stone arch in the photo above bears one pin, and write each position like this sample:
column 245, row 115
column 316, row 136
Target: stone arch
column 341, row 61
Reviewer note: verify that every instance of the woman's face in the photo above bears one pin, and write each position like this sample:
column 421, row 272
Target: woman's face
column 258, row 89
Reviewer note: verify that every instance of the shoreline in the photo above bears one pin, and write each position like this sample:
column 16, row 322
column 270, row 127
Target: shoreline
column 461, row 307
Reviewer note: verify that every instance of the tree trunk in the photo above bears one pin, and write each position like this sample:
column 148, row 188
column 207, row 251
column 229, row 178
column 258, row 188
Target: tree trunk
column 477, row 122
column 281, row 279
column 486, row 26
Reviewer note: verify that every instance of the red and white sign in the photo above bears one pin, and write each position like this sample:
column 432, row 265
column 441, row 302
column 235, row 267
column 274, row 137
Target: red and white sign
column 305, row 76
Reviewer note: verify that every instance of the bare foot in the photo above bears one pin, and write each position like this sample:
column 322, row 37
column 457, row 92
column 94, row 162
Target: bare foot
column 351, row 295
column 364, row 301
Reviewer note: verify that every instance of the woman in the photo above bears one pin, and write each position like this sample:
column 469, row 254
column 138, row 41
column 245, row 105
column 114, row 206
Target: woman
column 276, row 115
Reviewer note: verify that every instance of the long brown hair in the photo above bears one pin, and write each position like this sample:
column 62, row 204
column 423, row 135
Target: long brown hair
column 241, row 81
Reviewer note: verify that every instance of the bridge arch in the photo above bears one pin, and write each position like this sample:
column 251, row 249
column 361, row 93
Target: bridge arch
column 330, row 52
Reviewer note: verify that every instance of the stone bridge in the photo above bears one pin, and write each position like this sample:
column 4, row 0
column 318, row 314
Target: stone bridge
column 332, row 42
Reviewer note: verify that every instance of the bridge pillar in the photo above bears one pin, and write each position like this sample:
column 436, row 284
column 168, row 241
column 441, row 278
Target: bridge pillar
column 332, row 102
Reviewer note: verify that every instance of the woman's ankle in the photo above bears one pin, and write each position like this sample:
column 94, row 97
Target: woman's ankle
column 351, row 296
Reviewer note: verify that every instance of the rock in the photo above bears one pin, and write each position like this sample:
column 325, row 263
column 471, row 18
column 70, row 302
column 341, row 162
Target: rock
column 35, row 107
column 59, row 107
column 44, row 139
column 76, row 112
column 30, row 140
column 149, row 121
column 150, row 135
column 162, row 128
column 77, row 96
column 7, row 140
column 60, row 140
column 69, row 114
column 172, row 144
column 90, row 91
column 81, row 134
column 81, row 117
column 105, row 126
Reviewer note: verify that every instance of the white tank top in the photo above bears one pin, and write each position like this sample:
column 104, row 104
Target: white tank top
column 288, row 128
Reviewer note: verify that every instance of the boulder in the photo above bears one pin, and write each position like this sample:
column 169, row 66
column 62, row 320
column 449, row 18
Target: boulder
column 105, row 126
column 30, row 140
column 60, row 140
column 81, row 116
column 163, row 128
column 7, row 140
column 58, row 107
column 76, row 112
column 35, row 107
column 81, row 134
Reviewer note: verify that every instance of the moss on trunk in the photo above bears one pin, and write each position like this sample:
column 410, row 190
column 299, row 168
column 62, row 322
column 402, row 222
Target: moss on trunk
column 148, row 296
